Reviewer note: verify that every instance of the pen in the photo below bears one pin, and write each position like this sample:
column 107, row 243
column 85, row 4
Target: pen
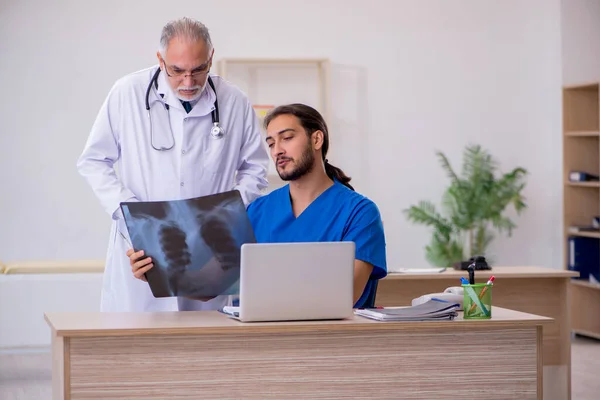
column 489, row 282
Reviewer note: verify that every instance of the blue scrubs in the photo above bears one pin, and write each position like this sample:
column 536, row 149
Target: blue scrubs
column 338, row 214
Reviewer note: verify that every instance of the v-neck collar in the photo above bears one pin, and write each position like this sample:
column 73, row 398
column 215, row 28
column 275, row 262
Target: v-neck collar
column 290, row 208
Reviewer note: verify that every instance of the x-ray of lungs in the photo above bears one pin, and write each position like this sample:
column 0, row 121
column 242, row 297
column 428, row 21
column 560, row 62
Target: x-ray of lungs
column 194, row 244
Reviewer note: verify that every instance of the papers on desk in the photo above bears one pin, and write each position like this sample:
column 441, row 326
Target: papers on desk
column 432, row 310
column 419, row 270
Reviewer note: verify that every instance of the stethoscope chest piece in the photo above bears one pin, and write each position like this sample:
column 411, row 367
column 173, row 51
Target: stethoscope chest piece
column 216, row 131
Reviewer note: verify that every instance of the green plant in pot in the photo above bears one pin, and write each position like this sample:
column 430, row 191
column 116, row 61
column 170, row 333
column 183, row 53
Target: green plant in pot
column 474, row 206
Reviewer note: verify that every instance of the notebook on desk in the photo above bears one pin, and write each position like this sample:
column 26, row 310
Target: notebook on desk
column 295, row 281
column 432, row 310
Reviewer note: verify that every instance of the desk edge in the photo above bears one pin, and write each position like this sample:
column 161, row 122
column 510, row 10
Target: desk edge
column 257, row 328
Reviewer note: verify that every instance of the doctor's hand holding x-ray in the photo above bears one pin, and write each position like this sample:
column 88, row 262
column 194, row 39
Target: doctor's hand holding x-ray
column 176, row 131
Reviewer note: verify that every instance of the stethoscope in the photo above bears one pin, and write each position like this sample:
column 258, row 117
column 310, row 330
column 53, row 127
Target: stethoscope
column 216, row 131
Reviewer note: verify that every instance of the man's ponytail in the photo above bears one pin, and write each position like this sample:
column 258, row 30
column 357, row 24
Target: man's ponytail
column 338, row 174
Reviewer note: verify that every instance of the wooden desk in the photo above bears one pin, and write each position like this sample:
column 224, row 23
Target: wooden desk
column 206, row 355
column 535, row 290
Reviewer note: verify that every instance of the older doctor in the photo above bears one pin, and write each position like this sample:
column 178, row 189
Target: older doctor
column 177, row 132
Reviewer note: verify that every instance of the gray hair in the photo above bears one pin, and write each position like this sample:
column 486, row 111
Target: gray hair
column 184, row 27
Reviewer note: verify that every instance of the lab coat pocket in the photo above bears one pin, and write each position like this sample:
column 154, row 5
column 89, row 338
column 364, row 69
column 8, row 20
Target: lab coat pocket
column 216, row 155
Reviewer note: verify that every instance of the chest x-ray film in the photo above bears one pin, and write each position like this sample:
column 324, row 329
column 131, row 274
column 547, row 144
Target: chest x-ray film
column 194, row 244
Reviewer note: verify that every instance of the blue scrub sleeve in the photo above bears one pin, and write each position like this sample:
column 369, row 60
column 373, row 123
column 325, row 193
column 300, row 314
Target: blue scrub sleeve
column 366, row 231
column 253, row 212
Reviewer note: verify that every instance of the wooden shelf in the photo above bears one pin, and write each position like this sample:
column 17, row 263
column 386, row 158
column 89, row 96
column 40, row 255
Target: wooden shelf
column 582, row 133
column 584, row 234
column 582, row 86
column 586, row 284
column 581, row 108
column 583, row 184
column 581, row 152
column 589, row 334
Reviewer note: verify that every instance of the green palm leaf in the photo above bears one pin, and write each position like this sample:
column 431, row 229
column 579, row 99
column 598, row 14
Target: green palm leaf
column 472, row 206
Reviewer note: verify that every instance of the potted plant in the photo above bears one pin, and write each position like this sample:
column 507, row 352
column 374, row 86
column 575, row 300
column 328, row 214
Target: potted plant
column 473, row 206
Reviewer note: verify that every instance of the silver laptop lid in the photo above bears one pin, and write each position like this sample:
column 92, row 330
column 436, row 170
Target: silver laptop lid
column 296, row 281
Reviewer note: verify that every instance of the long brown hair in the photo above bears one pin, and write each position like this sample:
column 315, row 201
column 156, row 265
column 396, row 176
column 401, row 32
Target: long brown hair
column 311, row 120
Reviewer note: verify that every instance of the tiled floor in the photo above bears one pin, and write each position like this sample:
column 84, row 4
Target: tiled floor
column 28, row 376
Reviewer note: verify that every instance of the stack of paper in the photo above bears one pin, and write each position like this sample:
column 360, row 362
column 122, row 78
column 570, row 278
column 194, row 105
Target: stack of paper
column 432, row 310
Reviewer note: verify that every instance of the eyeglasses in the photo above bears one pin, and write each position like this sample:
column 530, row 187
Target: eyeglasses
column 175, row 72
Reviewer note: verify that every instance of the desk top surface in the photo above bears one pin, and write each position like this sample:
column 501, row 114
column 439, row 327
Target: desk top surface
column 211, row 322
column 498, row 272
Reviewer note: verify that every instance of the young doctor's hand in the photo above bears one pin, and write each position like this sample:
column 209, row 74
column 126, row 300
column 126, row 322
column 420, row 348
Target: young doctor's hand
column 139, row 265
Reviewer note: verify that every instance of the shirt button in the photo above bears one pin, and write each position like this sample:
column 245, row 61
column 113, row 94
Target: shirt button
column 185, row 119
column 182, row 151
column 181, row 183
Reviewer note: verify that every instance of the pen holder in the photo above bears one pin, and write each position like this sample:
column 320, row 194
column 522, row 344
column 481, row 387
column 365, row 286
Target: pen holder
column 477, row 301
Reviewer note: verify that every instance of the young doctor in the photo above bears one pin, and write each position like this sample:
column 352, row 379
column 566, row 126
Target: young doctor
column 177, row 132
column 318, row 204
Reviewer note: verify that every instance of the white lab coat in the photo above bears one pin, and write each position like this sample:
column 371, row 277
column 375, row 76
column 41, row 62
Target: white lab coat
column 197, row 165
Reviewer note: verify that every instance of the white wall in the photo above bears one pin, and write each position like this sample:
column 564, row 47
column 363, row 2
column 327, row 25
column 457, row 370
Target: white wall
column 580, row 41
column 24, row 298
column 410, row 77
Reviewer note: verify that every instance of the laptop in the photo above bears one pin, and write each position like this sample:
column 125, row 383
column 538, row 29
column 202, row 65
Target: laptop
column 295, row 282
column 194, row 243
